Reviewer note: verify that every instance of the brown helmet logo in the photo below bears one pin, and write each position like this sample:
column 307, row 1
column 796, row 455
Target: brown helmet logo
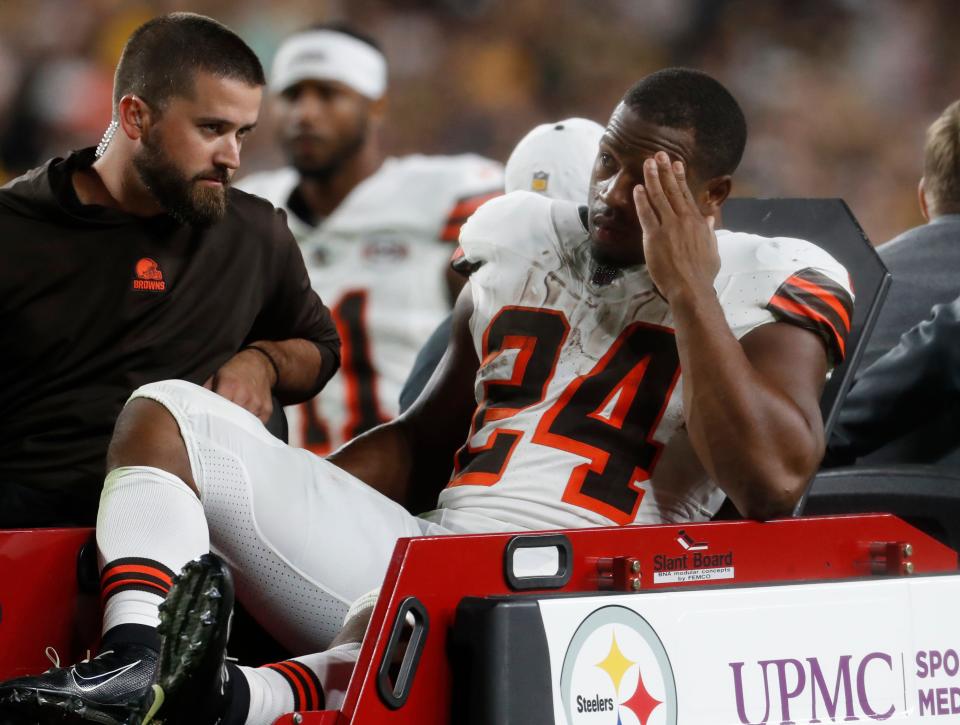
column 148, row 276
column 148, row 269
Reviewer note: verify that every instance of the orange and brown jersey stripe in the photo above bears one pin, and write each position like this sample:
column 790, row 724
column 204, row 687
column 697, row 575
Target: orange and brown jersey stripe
column 813, row 300
column 135, row 574
column 306, row 687
column 461, row 265
column 461, row 212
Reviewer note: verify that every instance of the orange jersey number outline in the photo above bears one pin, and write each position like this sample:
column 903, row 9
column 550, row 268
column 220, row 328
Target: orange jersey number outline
column 608, row 416
column 357, row 372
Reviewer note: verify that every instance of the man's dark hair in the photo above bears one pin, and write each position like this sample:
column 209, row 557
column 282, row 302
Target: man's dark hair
column 338, row 26
column 162, row 56
column 683, row 98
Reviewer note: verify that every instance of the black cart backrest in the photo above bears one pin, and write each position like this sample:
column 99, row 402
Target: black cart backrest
column 924, row 496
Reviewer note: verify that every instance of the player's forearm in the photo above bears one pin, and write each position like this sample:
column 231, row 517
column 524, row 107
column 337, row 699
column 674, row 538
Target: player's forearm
column 302, row 369
column 752, row 438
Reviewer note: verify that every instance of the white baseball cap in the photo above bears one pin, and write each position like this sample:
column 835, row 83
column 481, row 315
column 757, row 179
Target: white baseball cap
column 555, row 159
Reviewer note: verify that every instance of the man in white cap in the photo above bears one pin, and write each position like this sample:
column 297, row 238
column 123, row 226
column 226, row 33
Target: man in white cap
column 376, row 234
column 553, row 159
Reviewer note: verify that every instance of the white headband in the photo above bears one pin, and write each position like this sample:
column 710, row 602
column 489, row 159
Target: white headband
column 330, row 56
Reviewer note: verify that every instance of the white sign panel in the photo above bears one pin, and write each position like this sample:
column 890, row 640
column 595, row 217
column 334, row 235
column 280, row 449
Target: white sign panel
column 693, row 575
column 883, row 650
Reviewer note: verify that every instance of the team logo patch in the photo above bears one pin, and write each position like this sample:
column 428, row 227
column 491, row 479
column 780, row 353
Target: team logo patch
column 617, row 672
column 385, row 251
column 539, row 181
column 147, row 276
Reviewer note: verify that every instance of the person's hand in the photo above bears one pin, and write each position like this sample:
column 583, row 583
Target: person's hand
column 247, row 379
column 679, row 244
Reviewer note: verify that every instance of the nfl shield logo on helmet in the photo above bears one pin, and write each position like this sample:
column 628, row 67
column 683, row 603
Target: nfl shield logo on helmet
column 539, row 181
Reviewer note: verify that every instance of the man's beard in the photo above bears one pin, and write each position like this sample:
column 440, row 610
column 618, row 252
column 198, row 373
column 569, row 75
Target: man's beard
column 327, row 168
column 184, row 199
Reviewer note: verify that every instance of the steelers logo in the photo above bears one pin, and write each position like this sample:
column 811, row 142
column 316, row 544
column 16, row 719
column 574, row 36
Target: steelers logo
column 616, row 672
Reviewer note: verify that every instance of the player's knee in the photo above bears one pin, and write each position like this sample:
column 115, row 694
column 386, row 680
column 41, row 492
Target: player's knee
column 354, row 629
column 146, row 434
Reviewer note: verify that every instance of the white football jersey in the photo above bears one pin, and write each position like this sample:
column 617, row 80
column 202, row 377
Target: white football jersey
column 580, row 420
column 378, row 262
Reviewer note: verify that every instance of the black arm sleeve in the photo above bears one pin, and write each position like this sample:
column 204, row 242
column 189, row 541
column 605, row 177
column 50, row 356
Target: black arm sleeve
column 427, row 360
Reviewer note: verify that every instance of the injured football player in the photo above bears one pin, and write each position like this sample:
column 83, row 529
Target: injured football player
column 620, row 363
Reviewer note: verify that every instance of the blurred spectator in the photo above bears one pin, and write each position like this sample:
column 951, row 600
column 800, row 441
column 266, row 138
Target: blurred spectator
column 835, row 89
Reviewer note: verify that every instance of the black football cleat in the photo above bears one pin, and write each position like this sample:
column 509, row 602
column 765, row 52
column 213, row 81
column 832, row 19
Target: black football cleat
column 103, row 690
column 193, row 685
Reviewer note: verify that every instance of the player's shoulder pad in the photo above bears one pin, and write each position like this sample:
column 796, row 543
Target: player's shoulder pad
column 519, row 224
column 274, row 186
column 462, row 177
column 459, row 165
column 794, row 280
column 775, row 257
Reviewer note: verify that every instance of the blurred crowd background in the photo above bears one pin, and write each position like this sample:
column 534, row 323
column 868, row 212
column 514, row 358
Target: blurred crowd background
column 837, row 93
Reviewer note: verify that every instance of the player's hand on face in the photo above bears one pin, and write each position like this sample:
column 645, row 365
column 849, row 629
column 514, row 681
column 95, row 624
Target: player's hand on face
column 247, row 380
column 679, row 244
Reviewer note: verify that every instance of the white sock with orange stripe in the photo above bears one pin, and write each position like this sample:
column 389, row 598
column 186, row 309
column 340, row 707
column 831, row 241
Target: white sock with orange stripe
column 313, row 682
column 149, row 525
